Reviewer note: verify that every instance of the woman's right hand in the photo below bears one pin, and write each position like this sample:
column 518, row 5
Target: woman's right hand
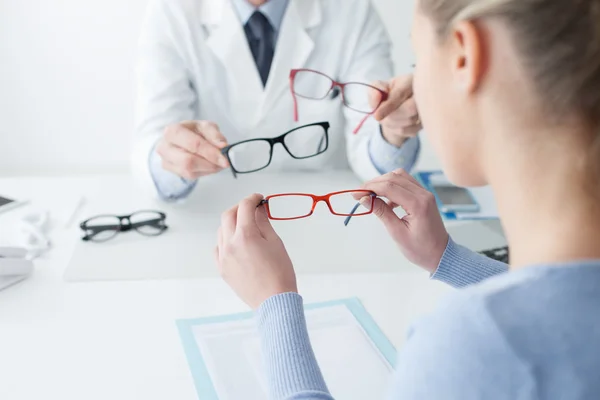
column 421, row 234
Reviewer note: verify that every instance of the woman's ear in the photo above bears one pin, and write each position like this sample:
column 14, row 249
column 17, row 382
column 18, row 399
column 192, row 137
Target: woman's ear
column 467, row 55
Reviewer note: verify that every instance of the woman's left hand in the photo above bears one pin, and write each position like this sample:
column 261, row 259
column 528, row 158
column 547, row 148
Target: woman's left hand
column 250, row 255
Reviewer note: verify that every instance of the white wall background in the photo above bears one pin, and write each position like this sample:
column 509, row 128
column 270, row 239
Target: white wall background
column 67, row 87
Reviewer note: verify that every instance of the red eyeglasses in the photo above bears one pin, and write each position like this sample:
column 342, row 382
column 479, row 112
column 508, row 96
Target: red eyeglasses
column 288, row 206
column 315, row 85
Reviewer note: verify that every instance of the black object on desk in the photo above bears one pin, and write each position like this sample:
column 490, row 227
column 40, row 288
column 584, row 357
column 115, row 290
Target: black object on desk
column 104, row 227
column 499, row 254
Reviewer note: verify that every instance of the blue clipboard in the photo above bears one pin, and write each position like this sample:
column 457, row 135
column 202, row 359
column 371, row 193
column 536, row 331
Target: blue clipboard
column 202, row 381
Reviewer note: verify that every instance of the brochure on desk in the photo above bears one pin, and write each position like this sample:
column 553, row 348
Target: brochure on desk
column 483, row 196
column 224, row 355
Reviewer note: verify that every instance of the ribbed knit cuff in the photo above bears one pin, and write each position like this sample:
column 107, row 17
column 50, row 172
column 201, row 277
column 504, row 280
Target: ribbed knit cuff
column 460, row 267
column 386, row 157
column 290, row 363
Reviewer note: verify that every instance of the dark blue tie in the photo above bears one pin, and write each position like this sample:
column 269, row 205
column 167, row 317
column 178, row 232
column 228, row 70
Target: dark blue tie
column 260, row 35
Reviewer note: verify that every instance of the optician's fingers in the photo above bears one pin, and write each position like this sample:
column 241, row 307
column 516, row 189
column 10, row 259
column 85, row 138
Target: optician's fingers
column 184, row 164
column 210, row 131
column 411, row 131
column 193, row 142
column 246, row 214
column 228, row 223
column 408, row 110
column 375, row 95
column 400, row 92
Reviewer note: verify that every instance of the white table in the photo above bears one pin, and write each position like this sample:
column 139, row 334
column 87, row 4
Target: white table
column 117, row 340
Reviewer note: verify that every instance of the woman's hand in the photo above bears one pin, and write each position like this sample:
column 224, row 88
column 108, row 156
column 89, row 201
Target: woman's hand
column 251, row 257
column 421, row 234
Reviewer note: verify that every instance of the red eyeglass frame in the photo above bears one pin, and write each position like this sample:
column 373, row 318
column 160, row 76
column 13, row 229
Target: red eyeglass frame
column 334, row 84
column 317, row 199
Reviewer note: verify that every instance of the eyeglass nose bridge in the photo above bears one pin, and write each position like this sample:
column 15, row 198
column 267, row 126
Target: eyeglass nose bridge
column 319, row 199
column 125, row 223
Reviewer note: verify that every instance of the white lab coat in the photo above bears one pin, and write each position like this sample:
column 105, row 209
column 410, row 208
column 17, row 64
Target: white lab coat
column 195, row 63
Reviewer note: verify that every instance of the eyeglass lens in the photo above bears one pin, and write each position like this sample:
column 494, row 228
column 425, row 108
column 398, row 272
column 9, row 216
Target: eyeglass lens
column 312, row 85
column 295, row 206
column 290, row 206
column 303, row 142
column 250, row 156
column 102, row 228
column 315, row 86
column 306, row 142
column 148, row 223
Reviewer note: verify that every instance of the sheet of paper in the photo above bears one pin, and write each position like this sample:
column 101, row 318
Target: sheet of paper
column 352, row 365
column 6, row 281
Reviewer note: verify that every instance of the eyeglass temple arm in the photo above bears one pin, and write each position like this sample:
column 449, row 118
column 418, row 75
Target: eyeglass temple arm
column 384, row 97
column 156, row 222
column 347, row 220
column 92, row 231
column 292, row 75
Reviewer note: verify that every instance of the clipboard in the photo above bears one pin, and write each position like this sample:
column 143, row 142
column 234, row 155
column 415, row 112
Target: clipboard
column 223, row 352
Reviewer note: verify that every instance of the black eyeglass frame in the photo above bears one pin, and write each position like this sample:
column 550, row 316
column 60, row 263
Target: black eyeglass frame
column 272, row 142
column 124, row 225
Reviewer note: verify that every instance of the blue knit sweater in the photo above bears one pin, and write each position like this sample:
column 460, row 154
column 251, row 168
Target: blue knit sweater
column 529, row 334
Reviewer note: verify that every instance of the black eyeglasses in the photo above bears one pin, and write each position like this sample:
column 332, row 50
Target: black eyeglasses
column 255, row 154
column 104, row 227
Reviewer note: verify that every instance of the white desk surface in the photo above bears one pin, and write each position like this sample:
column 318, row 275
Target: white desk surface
column 118, row 340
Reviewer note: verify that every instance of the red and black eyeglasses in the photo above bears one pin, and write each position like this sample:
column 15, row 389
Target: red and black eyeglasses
column 290, row 206
column 315, row 85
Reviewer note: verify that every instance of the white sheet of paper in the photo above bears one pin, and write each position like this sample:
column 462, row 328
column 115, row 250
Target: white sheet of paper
column 7, row 281
column 352, row 365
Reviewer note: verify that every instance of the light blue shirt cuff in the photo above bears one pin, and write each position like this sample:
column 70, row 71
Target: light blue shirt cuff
column 460, row 267
column 386, row 157
column 169, row 186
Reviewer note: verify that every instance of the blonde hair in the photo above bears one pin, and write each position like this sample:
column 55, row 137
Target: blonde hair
column 559, row 45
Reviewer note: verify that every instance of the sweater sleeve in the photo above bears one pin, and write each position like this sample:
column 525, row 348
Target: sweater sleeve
column 460, row 267
column 290, row 364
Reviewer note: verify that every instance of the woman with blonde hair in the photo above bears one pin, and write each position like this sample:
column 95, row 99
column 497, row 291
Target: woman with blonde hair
column 509, row 92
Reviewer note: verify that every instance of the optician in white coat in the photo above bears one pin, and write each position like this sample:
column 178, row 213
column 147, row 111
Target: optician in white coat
column 199, row 88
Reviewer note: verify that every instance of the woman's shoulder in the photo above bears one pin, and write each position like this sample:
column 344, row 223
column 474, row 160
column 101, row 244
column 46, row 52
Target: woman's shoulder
column 459, row 352
column 485, row 341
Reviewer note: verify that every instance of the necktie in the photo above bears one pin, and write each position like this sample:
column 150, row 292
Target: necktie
column 260, row 35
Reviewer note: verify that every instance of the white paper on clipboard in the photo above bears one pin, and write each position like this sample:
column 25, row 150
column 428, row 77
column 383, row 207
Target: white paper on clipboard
column 351, row 363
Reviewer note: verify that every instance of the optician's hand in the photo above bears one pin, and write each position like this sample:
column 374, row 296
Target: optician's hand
column 192, row 149
column 398, row 114
column 421, row 234
column 251, row 257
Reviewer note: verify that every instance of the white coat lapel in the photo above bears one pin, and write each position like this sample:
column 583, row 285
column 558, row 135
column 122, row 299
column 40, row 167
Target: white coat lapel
column 228, row 42
column 294, row 45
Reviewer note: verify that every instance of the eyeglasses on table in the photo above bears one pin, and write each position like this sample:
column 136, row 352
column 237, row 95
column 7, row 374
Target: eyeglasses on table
column 290, row 206
column 104, row 227
column 255, row 154
column 315, row 85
